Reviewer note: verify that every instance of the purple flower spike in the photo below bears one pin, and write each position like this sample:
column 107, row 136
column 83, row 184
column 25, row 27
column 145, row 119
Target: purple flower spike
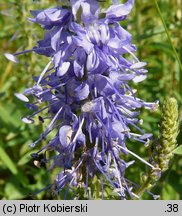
column 84, row 89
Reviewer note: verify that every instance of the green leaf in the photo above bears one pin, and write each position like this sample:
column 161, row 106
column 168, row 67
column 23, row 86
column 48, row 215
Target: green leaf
column 169, row 193
column 9, row 116
column 25, row 158
column 175, row 180
column 7, row 160
column 178, row 150
column 12, row 167
column 13, row 191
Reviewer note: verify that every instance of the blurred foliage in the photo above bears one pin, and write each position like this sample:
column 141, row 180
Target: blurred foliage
column 19, row 177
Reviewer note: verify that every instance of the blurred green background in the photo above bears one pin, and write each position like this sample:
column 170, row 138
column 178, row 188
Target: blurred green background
column 157, row 33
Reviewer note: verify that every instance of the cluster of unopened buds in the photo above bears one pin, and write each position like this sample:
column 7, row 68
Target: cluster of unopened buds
column 85, row 94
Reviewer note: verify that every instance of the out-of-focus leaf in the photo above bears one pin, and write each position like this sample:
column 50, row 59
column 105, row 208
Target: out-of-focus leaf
column 8, row 115
column 25, row 158
column 178, row 150
column 175, row 181
column 6, row 159
column 162, row 47
column 169, row 193
column 178, row 96
column 14, row 192
column 12, row 167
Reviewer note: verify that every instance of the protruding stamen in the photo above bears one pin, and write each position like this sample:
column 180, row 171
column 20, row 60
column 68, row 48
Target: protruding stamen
column 119, row 178
column 124, row 47
column 95, row 147
column 78, row 131
column 50, row 89
column 44, row 71
column 138, row 157
column 52, row 122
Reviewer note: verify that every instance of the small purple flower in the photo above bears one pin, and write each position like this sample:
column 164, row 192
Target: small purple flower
column 84, row 89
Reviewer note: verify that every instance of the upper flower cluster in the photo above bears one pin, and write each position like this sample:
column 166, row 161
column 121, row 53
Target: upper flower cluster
column 86, row 90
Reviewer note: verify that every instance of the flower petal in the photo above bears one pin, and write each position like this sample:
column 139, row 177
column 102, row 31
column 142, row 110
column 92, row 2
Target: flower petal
column 139, row 78
column 138, row 65
column 63, row 68
column 55, row 39
column 65, row 133
column 119, row 11
column 78, row 70
column 92, row 61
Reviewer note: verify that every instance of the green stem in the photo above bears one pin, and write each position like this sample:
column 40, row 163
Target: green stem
column 169, row 38
column 143, row 187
